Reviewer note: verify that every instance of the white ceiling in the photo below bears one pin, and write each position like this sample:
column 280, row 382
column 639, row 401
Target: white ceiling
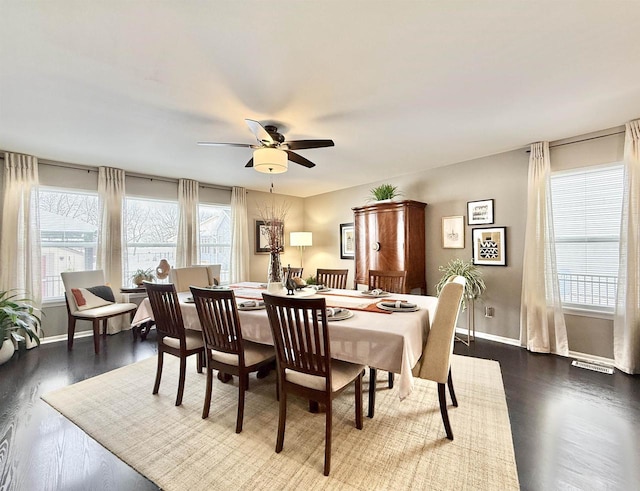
column 400, row 86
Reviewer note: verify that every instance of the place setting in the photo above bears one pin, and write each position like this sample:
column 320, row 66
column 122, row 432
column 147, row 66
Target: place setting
column 375, row 293
column 398, row 306
column 337, row 314
column 251, row 305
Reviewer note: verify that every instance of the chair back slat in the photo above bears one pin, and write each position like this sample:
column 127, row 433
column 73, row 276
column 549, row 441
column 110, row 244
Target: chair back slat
column 295, row 272
column 300, row 334
column 332, row 278
column 166, row 309
column 389, row 281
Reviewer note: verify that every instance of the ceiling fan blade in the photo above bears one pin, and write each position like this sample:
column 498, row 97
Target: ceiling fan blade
column 301, row 144
column 299, row 159
column 216, row 144
column 258, row 130
column 250, row 163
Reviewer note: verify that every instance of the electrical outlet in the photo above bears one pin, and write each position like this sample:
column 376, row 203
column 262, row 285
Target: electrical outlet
column 488, row 312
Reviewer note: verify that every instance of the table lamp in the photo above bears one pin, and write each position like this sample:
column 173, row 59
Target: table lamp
column 301, row 240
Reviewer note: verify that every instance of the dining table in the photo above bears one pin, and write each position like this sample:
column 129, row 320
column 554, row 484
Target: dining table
column 385, row 339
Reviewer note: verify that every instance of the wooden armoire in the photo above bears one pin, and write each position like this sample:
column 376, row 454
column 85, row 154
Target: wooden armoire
column 391, row 236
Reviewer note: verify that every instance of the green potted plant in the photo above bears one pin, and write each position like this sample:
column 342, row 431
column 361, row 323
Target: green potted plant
column 384, row 192
column 140, row 275
column 16, row 314
column 475, row 284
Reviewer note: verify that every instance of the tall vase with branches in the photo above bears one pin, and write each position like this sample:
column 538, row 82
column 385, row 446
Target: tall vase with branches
column 273, row 216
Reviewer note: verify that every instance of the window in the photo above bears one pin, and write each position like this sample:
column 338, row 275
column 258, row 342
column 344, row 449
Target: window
column 215, row 237
column 68, row 235
column 151, row 234
column 587, row 209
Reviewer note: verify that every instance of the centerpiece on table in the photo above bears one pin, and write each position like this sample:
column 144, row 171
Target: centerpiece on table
column 273, row 216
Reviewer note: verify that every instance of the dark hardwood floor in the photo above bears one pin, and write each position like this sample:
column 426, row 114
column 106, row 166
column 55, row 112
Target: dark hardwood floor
column 572, row 428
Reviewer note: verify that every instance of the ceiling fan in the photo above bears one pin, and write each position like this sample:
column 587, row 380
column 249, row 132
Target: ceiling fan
column 272, row 153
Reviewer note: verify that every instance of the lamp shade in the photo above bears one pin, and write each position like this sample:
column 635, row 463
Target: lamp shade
column 300, row 239
column 270, row 160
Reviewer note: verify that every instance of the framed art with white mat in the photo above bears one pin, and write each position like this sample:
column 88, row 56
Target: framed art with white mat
column 489, row 246
column 453, row 232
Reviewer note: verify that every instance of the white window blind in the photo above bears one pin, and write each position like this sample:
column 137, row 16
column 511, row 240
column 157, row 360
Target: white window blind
column 587, row 207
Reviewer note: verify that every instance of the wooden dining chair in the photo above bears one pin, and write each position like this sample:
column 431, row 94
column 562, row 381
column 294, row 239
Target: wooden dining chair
column 332, row 278
column 304, row 364
column 225, row 348
column 295, row 272
column 392, row 282
column 173, row 338
column 435, row 362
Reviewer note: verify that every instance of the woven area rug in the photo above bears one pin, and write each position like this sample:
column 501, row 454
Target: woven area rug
column 403, row 447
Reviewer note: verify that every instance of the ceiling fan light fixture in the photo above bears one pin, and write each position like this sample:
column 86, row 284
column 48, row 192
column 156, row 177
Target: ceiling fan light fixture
column 270, row 160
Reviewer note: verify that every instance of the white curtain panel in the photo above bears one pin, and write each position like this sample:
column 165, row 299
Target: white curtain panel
column 542, row 326
column 20, row 252
column 110, row 235
column 626, row 322
column 240, row 249
column 187, row 251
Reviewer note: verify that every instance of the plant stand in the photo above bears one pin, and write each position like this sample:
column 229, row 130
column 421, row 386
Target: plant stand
column 471, row 324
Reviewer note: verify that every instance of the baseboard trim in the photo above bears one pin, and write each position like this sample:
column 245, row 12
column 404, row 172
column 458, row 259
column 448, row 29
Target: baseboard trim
column 599, row 360
column 490, row 337
column 63, row 337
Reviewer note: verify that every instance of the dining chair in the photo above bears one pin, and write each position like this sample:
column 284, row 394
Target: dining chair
column 435, row 362
column 295, row 272
column 183, row 278
column 304, row 364
column 89, row 298
column 173, row 338
column 392, row 282
column 332, row 278
column 225, row 348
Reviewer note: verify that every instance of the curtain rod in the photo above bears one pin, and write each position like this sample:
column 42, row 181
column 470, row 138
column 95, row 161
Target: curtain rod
column 584, row 140
column 90, row 168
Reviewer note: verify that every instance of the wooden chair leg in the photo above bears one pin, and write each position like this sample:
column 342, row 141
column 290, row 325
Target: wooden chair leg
column 359, row 402
column 96, row 336
column 327, row 443
column 105, row 323
column 207, row 393
column 373, row 375
column 451, row 391
column 183, row 374
column 282, row 416
column 442, row 396
column 71, row 330
column 200, row 361
column 242, row 387
column 156, row 386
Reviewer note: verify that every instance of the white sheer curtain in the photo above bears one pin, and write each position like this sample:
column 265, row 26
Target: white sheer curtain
column 187, row 250
column 110, row 234
column 240, row 250
column 542, row 327
column 20, row 235
column 626, row 322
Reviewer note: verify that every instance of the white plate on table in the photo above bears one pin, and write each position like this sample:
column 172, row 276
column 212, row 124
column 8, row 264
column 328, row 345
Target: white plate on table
column 375, row 294
column 340, row 315
column 321, row 289
column 260, row 306
column 398, row 306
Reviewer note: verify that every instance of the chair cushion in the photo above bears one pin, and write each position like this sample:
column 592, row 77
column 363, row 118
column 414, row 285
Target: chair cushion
column 106, row 310
column 92, row 297
column 253, row 353
column 342, row 373
column 193, row 339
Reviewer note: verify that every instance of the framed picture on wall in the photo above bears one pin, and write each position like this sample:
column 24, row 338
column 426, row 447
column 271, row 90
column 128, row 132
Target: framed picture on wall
column 489, row 246
column 263, row 232
column 347, row 241
column 480, row 212
column 453, row 232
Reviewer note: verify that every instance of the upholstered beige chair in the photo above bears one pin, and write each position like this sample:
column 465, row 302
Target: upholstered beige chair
column 89, row 298
column 303, row 359
column 183, row 278
column 213, row 272
column 435, row 362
